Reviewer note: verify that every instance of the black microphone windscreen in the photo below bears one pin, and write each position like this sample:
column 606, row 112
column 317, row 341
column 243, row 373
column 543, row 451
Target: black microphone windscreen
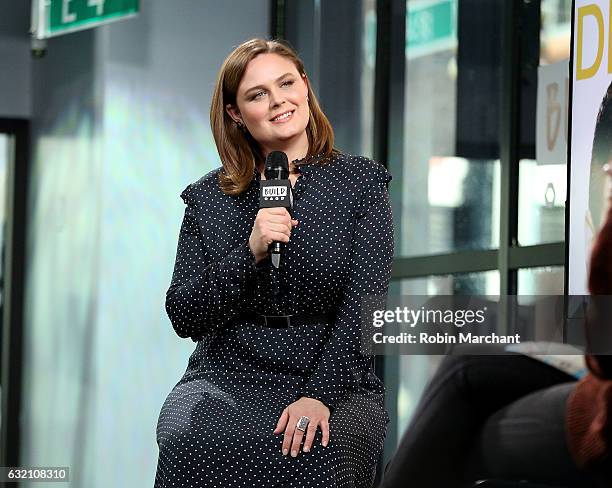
column 277, row 166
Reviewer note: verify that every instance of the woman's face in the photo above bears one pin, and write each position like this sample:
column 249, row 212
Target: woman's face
column 272, row 101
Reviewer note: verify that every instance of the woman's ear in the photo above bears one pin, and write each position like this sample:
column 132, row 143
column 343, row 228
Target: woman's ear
column 307, row 83
column 233, row 112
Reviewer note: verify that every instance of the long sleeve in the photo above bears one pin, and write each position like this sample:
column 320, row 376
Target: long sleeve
column 342, row 363
column 204, row 295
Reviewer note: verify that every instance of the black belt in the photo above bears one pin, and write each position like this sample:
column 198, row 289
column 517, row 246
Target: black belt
column 288, row 321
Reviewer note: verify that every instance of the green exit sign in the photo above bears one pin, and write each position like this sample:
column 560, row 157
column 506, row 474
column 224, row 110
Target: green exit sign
column 55, row 17
column 431, row 26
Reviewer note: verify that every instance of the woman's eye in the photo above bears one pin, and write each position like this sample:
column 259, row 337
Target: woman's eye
column 287, row 83
column 259, row 94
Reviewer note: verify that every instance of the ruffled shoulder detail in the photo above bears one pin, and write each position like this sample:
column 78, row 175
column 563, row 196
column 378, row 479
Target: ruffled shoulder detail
column 202, row 189
column 187, row 195
column 382, row 175
column 375, row 180
column 367, row 168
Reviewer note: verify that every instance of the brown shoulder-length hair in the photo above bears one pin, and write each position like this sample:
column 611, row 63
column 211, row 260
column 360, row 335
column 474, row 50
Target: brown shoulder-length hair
column 239, row 152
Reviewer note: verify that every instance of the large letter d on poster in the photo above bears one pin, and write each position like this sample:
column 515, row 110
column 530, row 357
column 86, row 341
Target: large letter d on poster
column 583, row 73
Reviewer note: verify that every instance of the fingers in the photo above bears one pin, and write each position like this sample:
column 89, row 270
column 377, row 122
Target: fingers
column 271, row 225
column 297, row 440
column 275, row 223
column 278, row 215
column 310, row 435
column 277, row 232
column 285, row 229
column 289, row 430
column 325, row 432
column 280, row 224
column 279, row 219
column 282, row 422
column 293, row 437
column 276, row 237
column 276, row 210
column 318, row 415
column 265, row 222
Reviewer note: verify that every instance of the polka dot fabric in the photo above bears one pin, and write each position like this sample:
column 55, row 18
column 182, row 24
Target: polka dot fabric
column 216, row 427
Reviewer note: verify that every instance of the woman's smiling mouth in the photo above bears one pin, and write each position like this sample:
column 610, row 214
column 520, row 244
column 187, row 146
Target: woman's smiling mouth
column 280, row 118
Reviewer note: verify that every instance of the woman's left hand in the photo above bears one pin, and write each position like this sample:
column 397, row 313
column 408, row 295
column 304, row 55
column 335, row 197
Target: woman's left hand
column 318, row 414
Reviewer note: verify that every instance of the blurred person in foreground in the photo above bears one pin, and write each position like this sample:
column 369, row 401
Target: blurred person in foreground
column 512, row 417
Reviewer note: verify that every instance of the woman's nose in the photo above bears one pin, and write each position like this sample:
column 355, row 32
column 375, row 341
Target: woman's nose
column 276, row 98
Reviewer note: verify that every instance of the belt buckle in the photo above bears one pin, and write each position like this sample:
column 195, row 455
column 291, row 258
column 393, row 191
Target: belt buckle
column 287, row 320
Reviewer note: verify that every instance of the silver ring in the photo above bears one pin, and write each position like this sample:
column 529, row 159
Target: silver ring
column 302, row 423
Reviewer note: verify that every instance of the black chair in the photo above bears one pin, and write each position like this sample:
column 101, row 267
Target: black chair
column 493, row 483
column 510, row 484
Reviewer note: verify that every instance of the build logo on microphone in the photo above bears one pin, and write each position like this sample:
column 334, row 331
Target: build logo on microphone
column 274, row 192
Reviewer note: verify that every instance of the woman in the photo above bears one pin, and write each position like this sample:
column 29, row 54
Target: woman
column 270, row 401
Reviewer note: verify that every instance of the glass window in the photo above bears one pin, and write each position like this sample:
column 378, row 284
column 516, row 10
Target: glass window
column 6, row 145
column 456, row 284
column 542, row 193
column 415, row 371
column 548, row 280
column 368, row 53
column 337, row 42
column 556, row 30
column 449, row 182
column 542, row 187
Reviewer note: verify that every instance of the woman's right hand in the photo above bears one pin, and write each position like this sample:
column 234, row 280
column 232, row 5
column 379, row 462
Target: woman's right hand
column 271, row 225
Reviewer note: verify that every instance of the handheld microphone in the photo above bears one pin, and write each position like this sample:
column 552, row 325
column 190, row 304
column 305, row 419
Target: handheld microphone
column 275, row 191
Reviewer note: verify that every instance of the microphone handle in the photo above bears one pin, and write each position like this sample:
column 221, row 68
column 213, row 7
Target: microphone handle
column 276, row 249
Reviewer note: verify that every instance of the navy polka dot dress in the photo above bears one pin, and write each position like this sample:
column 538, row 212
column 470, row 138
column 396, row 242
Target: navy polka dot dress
column 216, row 427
